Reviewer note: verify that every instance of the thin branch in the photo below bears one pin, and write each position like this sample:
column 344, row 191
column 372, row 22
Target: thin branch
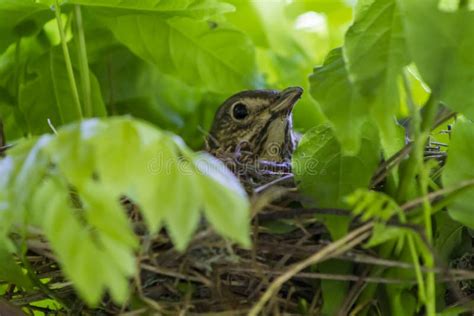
column 434, row 196
column 175, row 274
column 340, row 246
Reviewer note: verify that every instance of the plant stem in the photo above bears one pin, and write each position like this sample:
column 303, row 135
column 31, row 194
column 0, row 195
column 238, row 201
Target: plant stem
column 67, row 59
column 83, row 62
column 421, row 128
column 417, row 266
column 421, row 136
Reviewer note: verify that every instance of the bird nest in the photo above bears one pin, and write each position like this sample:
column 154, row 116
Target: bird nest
column 276, row 275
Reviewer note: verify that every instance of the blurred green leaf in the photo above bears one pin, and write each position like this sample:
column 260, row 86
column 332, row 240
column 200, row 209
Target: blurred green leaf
column 86, row 257
column 383, row 233
column 10, row 271
column 70, row 186
column 441, row 45
column 151, row 5
column 184, row 218
column 371, row 204
column 20, row 18
column 248, row 19
column 225, row 202
column 159, row 193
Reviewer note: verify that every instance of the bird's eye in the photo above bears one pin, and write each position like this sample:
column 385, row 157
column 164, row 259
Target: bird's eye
column 240, row 111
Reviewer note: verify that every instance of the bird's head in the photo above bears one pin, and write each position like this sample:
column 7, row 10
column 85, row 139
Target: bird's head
column 258, row 119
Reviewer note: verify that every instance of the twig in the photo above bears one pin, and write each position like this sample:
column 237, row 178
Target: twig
column 388, row 164
column 175, row 274
column 331, row 276
column 281, row 262
column 437, row 194
column 38, row 296
column 302, row 212
column 274, row 182
column 347, row 242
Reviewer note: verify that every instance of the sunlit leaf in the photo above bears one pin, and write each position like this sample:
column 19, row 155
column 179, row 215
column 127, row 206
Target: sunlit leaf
column 183, row 219
column 225, row 203
column 70, row 186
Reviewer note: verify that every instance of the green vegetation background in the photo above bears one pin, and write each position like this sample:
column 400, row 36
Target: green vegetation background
column 170, row 63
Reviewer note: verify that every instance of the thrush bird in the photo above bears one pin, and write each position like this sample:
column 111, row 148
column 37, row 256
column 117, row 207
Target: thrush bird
column 257, row 121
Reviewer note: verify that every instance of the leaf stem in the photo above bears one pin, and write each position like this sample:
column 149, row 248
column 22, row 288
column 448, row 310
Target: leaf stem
column 67, row 59
column 421, row 128
column 83, row 62
column 417, row 267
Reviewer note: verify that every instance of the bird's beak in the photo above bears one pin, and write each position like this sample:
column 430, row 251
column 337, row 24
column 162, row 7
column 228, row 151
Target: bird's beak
column 287, row 99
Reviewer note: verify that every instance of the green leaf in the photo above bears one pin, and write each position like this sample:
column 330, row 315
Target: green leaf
column 63, row 93
column 383, row 233
column 151, row 5
column 46, row 94
column 225, row 201
column 28, row 171
column 120, row 139
column 459, row 168
column 158, row 179
column 21, row 18
column 104, row 212
column 199, row 9
column 340, row 101
column 334, row 292
column 215, row 57
column 441, row 44
column 69, row 185
column 448, row 235
column 376, row 52
column 183, row 219
column 402, row 301
column 319, row 160
column 375, row 46
column 454, row 311
column 10, row 270
column 142, row 91
column 285, row 53
column 371, row 204
column 248, row 19
column 94, row 249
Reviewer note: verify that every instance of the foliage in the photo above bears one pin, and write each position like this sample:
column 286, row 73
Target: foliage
column 86, row 232
column 70, row 66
